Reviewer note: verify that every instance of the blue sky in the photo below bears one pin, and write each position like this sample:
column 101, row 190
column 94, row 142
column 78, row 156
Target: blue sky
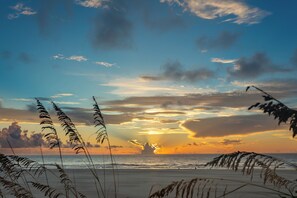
column 153, row 56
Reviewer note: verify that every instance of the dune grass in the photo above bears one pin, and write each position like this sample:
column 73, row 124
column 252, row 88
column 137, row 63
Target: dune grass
column 246, row 162
column 22, row 177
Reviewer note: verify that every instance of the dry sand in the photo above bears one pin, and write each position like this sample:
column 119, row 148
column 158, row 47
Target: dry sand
column 137, row 183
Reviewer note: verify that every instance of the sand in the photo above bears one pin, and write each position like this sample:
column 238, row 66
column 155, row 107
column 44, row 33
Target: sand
column 138, row 183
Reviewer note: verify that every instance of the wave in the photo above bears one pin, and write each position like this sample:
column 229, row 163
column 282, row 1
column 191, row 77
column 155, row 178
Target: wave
column 140, row 162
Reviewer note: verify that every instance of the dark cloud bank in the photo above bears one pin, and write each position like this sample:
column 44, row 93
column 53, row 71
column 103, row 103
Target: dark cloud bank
column 15, row 137
column 174, row 71
column 258, row 64
column 233, row 125
column 18, row 138
column 112, row 30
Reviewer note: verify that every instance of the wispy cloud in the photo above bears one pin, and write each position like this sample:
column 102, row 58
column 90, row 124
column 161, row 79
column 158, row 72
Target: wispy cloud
column 212, row 9
column 80, row 58
column 60, row 95
column 23, row 99
column 231, row 142
column 282, row 87
column 67, row 103
column 59, row 56
column 143, row 87
column 224, row 61
column 77, row 58
column 104, row 64
column 89, row 3
column 20, row 9
column 136, row 87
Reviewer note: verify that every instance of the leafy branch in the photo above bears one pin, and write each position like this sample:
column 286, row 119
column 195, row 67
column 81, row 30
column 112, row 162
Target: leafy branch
column 277, row 109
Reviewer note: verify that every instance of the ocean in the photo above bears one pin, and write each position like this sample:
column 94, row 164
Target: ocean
column 194, row 161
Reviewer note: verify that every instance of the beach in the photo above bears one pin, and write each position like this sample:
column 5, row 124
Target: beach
column 137, row 183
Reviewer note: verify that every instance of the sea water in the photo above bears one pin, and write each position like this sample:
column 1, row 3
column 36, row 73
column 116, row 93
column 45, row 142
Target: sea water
column 195, row 161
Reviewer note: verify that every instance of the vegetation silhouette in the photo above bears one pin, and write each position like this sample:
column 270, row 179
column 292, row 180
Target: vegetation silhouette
column 22, row 177
column 277, row 109
column 246, row 162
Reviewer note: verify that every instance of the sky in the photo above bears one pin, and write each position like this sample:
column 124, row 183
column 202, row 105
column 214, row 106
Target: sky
column 171, row 73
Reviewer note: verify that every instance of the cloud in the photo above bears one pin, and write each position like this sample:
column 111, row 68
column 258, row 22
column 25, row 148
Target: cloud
column 233, row 125
column 89, row 3
column 49, row 15
column 59, row 56
column 18, row 138
column 68, row 144
column 92, row 145
column 78, row 115
column 32, row 108
column 280, row 88
column 213, row 101
column 23, row 99
column 144, row 87
column 25, row 58
column 104, row 64
column 5, row 55
column 146, row 148
column 174, row 71
column 115, row 146
column 112, row 30
column 230, row 142
column 81, row 58
column 60, row 95
column 123, row 109
column 235, row 11
column 85, row 116
column 67, row 102
column 77, row 58
column 223, row 61
column 20, row 9
column 136, row 143
column 254, row 66
column 223, row 41
column 44, row 99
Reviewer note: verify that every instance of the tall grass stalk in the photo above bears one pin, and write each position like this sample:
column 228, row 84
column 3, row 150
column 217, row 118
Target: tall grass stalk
column 47, row 124
column 23, row 177
column 42, row 157
column 77, row 141
column 102, row 135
